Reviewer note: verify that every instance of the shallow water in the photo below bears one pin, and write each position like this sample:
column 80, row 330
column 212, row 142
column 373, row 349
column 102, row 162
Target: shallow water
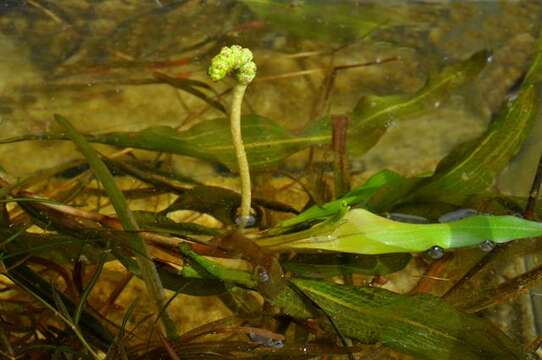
column 93, row 62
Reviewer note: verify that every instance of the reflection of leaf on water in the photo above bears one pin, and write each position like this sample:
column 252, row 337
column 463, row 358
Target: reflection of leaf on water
column 421, row 325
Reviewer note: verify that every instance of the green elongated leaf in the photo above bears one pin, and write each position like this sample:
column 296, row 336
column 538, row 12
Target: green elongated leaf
column 422, row 325
column 219, row 202
column 342, row 21
column 379, row 112
column 28, row 279
column 162, row 224
column 330, row 265
column 127, row 220
column 267, row 143
column 356, row 197
column 221, row 272
column 374, row 114
column 362, row 232
column 472, row 167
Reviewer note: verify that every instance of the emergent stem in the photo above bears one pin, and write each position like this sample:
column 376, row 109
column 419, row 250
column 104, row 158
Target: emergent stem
column 238, row 61
column 244, row 173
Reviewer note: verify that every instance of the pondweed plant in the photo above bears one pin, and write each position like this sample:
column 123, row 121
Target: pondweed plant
column 291, row 264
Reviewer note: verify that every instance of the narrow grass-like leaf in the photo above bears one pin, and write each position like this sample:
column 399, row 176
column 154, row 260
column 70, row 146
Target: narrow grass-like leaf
column 422, row 325
column 126, row 218
column 221, row 272
column 191, row 87
column 88, row 289
column 43, row 292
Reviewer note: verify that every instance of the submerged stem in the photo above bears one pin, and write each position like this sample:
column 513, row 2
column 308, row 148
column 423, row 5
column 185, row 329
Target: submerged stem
column 242, row 161
column 239, row 61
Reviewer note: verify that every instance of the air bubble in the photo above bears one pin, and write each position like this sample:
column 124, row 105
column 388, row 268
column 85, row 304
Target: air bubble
column 487, row 245
column 457, row 215
column 436, row 104
column 266, row 341
column 407, row 218
column 245, row 220
column 263, row 276
column 435, row 252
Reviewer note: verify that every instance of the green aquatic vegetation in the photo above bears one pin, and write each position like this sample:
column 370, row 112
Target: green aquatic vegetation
column 146, row 267
column 421, row 325
column 305, row 18
column 357, row 197
column 362, row 232
column 472, row 167
column 267, row 143
column 290, row 266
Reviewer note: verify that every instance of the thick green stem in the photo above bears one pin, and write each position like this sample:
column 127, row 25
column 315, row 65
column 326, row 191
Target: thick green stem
column 244, row 172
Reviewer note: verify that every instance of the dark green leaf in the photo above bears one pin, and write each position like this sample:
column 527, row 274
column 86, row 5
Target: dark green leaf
column 472, row 167
column 162, row 224
column 422, row 325
column 330, row 265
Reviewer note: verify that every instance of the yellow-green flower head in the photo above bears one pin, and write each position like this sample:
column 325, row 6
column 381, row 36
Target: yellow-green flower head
column 234, row 58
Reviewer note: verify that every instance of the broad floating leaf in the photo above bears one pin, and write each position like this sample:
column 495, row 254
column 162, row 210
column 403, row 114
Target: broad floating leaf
column 421, row 325
column 362, row 232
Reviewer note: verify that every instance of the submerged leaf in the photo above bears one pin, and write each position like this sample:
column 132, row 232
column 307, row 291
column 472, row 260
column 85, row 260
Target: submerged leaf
column 305, row 19
column 421, row 325
column 356, row 197
column 267, row 143
column 362, row 232
column 330, row 265
column 472, row 167
column 374, row 114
